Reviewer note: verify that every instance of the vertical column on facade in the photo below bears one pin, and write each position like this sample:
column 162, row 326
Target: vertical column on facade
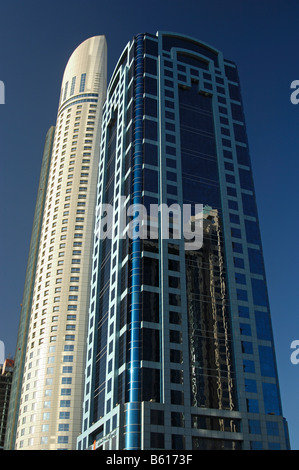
column 133, row 416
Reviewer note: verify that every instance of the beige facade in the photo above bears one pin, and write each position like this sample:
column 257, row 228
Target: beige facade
column 52, row 389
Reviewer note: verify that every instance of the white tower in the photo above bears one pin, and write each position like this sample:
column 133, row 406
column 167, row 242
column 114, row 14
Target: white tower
column 52, row 389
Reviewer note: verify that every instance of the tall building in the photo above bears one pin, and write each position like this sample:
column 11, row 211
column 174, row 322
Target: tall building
column 180, row 351
column 26, row 306
column 6, row 373
column 52, row 338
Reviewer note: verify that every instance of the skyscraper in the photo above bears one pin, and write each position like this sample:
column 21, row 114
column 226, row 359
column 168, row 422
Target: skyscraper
column 6, row 371
column 46, row 410
column 24, row 322
column 180, row 351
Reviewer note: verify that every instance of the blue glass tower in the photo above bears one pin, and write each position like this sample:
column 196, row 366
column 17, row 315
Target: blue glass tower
column 180, row 351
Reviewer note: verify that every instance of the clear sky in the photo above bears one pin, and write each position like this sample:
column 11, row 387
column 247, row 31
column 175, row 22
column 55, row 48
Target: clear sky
column 261, row 36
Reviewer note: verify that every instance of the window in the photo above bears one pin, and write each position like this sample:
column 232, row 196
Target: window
column 157, row 440
column 63, row 427
column 67, row 358
column 82, row 83
column 254, row 426
column 65, row 403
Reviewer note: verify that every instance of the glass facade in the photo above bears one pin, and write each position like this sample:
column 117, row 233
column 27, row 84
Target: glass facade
column 180, row 351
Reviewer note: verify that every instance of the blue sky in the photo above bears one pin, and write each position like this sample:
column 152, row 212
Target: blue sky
column 262, row 36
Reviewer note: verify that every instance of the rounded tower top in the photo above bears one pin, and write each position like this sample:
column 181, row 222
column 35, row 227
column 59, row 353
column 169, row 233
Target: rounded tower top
column 86, row 70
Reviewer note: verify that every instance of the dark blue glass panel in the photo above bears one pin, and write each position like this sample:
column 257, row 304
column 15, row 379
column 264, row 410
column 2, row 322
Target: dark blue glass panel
column 254, row 426
column 248, row 366
column 233, row 205
column 249, row 205
column 150, row 154
column 231, row 191
column 259, row 292
column 192, row 60
column 150, row 107
column 244, row 313
column 239, row 262
column 250, row 386
column 150, row 66
column 230, row 179
column 243, row 155
column 236, row 232
column 150, row 129
column 240, row 133
column 271, row 399
column 189, row 44
column 247, row 347
column 240, row 278
column 267, row 361
column 200, row 194
column 151, row 47
column 256, row 445
column 242, row 295
column 274, row 446
column 150, row 180
column 150, row 85
column 237, row 247
column 252, row 232
column 232, row 73
column 206, row 168
column 234, row 92
column 237, row 112
column 246, row 181
column 263, row 326
column 234, row 218
column 252, row 405
column 272, row 428
column 255, row 261
column 245, row 329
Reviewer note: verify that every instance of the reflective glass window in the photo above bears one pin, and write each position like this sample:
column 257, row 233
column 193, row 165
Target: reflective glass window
column 263, row 325
column 271, row 399
column 243, row 155
column 238, row 262
column 246, row 181
column 250, row 386
column 259, row 292
column 249, row 205
column 247, row 347
column 150, row 85
column 254, row 426
column 237, row 247
column 272, row 428
column 267, row 361
column 245, row 329
column 252, row 405
column 243, row 312
column 248, row 366
column 255, row 261
column 157, row 440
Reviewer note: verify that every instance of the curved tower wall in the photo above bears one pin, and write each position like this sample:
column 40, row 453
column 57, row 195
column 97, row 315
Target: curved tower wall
column 52, row 389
